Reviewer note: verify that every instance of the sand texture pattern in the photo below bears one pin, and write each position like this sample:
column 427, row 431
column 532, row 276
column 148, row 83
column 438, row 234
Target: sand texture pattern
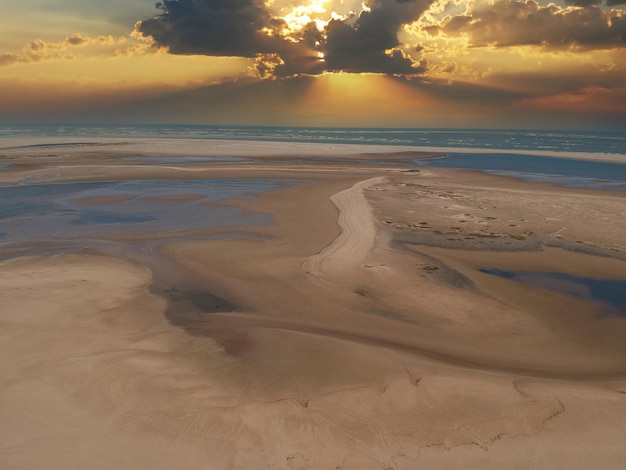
column 356, row 323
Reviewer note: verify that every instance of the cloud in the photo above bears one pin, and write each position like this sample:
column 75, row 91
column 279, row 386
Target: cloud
column 370, row 44
column 590, row 100
column 77, row 39
column 39, row 50
column 588, row 3
column 241, row 28
column 10, row 59
column 508, row 23
column 583, row 3
column 367, row 42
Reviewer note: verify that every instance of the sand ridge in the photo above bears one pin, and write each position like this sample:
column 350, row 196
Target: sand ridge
column 356, row 239
column 53, row 147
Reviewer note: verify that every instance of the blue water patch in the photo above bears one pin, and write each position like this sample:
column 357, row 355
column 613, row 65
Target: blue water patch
column 212, row 190
column 36, row 199
column 535, row 168
column 106, row 217
column 570, row 181
column 62, row 211
column 611, row 292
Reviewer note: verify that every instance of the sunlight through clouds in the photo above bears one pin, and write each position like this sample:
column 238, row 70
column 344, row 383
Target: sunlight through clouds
column 302, row 15
column 537, row 53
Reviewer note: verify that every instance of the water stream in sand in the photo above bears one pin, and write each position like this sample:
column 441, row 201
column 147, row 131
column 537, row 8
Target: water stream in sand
column 131, row 220
column 65, row 211
column 610, row 292
column 533, row 168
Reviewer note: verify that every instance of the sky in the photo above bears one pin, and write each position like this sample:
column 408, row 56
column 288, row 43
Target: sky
column 365, row 63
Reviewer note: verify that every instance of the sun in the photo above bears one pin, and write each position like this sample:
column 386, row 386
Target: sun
column 316, row 12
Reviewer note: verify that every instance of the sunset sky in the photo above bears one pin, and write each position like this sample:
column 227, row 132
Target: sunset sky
column 396, row 63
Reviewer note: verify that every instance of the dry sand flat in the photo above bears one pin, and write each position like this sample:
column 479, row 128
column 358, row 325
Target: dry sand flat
column 364, row 338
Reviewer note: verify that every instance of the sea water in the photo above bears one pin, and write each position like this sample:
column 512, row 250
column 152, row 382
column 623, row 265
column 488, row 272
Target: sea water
column 498, row 151
column 502, row 139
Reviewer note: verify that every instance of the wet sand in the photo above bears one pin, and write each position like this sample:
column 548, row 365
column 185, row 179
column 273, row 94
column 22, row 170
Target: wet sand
column 356, row 331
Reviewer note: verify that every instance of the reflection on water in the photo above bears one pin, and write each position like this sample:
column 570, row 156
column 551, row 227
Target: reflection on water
column 571, row 181
column 107, row 217
column 35, row 212
column 569, row 172
column 611, row 292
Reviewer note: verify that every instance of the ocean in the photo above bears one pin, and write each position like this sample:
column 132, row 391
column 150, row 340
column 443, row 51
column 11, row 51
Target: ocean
column 531, row 140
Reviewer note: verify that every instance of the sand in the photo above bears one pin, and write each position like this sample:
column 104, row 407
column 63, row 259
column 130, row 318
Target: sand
column 354, row 332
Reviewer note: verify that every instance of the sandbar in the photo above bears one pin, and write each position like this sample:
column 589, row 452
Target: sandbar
column 356, row 331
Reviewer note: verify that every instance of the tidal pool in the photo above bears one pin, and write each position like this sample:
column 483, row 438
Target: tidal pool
column 610, row 292
column 533, row 168
column 62, row 211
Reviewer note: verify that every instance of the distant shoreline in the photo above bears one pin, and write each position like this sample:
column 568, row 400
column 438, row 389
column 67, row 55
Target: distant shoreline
column 589, row 142
column 244, row 147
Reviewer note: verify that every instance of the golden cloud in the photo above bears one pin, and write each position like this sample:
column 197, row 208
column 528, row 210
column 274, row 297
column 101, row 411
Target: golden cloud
column 68, row 49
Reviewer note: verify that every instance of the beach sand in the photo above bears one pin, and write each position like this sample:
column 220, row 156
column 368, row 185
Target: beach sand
column 357, row 331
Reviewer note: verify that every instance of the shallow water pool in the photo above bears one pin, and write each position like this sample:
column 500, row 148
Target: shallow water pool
column 33, row 212
column 611, row 292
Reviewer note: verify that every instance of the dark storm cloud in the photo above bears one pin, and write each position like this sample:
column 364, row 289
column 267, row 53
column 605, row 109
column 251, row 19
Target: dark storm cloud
column 363, row 45
column 583, row 3
column 212, row 27
column 246, row 28
column 242, row 28
column 515, row 23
